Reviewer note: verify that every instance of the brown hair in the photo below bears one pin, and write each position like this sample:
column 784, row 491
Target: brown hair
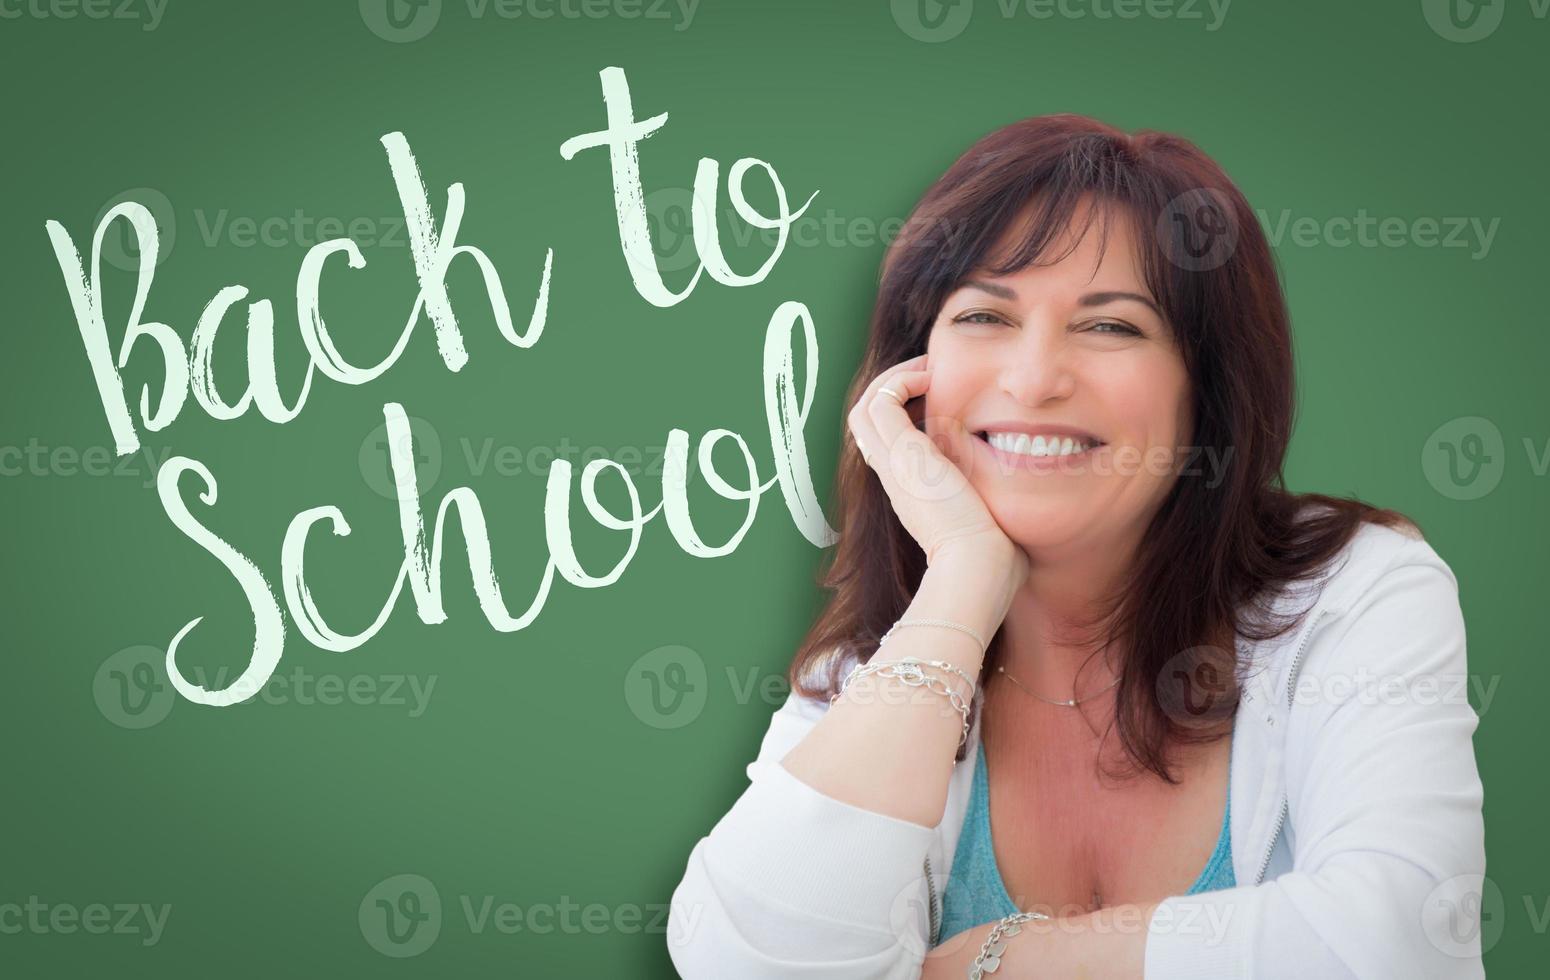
column 1208, row 264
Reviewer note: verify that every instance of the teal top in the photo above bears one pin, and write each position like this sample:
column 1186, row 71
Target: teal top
column 974, row 893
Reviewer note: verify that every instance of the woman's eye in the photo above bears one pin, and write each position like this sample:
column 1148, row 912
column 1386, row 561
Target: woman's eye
column 977, row 316
column 1115, row 327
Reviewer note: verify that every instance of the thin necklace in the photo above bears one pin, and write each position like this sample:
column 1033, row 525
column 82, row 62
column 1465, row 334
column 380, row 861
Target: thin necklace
column 1065, row 704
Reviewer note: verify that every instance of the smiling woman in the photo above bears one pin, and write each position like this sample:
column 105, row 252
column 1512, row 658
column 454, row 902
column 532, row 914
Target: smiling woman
column 1056, row 676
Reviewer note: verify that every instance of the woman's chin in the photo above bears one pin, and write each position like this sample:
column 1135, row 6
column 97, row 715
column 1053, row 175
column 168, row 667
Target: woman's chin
column 1043, row 529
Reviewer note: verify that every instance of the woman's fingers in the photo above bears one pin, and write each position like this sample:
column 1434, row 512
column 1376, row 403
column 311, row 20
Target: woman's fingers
column 889, row 416
column 863, row 428
column 887, row 376
column 908, row 460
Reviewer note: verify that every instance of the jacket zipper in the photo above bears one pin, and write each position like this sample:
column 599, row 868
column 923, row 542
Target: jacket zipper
column 1291, row 695
column 931, row 902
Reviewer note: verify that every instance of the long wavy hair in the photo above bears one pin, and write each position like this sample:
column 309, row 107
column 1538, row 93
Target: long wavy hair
column 1217, row 552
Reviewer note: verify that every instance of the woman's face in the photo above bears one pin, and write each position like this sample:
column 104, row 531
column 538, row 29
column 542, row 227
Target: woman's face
column 1075, row 351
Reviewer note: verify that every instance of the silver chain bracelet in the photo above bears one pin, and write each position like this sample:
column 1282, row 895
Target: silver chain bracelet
column 947, row 623
column 911, row 672
column 989, row 958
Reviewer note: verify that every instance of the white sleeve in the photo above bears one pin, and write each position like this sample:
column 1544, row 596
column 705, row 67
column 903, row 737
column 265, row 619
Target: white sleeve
column 1386, row 800
column 793, row 883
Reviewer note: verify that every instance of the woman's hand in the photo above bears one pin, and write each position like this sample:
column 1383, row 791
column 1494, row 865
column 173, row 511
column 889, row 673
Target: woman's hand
column 932, row 497
column 1109, row 944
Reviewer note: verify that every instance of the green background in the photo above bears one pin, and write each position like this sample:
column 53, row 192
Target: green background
column 530, row 777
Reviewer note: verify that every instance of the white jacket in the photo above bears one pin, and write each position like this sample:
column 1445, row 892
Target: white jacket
column 1358, row 842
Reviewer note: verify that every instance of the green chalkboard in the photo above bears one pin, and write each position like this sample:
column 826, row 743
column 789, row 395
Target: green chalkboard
column 483, row 791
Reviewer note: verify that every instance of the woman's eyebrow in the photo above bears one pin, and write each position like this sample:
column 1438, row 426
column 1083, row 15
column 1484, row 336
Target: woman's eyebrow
column 1098, row 299
column 1091, row 299
column 993, row 289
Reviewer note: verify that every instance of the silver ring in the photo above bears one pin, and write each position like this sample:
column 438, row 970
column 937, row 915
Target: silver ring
column 896, row 396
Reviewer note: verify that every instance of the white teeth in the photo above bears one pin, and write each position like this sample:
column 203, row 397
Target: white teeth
column 1023, row 444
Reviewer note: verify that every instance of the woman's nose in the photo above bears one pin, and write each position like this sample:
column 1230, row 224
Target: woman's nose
column 1039, row 369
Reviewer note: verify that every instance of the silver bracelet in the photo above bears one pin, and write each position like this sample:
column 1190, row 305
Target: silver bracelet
column 989, row 958
column 949, row 624
column 972, row 685
column 912, row 674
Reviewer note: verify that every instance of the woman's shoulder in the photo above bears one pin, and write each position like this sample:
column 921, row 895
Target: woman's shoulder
column 1387, row 603
column 1374, row 555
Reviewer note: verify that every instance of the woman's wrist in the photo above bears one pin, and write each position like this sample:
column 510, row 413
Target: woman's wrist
column 972, row 587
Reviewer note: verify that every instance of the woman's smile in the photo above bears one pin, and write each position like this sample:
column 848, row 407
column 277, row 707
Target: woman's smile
column 1039, row 449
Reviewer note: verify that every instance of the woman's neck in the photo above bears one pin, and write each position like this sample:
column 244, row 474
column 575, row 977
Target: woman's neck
column 1053, row 627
